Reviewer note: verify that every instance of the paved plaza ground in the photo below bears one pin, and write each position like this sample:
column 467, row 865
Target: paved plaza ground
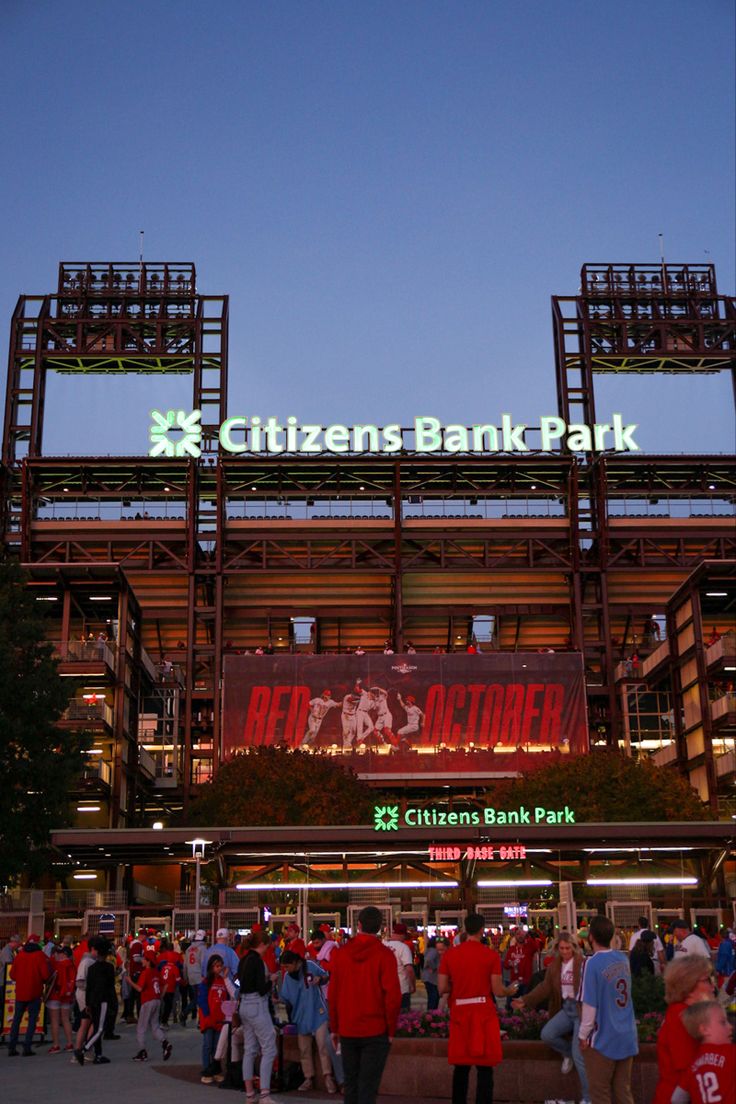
column 55, row 1079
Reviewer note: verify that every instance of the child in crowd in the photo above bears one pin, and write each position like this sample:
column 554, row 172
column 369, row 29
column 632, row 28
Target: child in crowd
column 215, row 988
column 149, row 987
column 712, row 1075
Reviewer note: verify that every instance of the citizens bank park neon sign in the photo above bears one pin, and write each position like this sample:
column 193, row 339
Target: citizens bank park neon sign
column 389, row 818
column 178, row 433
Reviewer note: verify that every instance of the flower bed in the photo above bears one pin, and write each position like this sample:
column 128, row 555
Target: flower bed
column 526, row 1023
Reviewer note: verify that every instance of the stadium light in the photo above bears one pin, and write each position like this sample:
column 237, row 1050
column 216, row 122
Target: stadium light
column 288, row 887
column 682, row 881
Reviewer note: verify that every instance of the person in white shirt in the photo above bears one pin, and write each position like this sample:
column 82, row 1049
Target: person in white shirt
column 404, row 964
column 414, row 715
column 318, row 710
column 686, row 942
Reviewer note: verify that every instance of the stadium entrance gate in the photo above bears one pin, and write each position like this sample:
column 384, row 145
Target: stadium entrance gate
column 625, row 914
column 185, row 920
column 355, row 910
column 121, row 922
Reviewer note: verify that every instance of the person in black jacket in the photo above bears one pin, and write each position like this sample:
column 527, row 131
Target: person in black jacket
column 99, row 995
column 641, row 957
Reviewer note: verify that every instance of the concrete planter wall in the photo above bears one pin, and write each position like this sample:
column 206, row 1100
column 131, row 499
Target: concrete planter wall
column 530, row 1072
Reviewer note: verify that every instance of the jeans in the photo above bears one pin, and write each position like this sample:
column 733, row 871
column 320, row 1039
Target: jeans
column 433, row 995
column 561, row 1033
column 483, row 1089
column 363, row 1059
column 406, row 1002
column 33, row 1007
column 209, row 1043
column 258, row 1034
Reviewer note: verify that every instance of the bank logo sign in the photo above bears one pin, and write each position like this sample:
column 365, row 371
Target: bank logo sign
column 387, row 818
column 176, row 433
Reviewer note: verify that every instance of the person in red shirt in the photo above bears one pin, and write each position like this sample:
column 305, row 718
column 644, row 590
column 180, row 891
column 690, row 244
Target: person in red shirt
column 364, row 1003
column 213, row 990
column 149, row 987
column 712, row 1074
column 470, row 973
column 688, row 979
column 293, row 940
column 80, row 951
column 170, row 969
column 519, row 960
column 59, row 1000
column 30, row 970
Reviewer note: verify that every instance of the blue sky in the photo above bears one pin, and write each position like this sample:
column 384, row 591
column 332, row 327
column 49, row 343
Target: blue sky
column 389, row 192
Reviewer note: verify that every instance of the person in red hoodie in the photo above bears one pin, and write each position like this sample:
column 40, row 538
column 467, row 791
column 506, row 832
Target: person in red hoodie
column 365, row 998
column 30, row 971
column 169, row 965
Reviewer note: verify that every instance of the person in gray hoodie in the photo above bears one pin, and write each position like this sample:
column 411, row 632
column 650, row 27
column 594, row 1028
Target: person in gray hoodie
column 193, row 970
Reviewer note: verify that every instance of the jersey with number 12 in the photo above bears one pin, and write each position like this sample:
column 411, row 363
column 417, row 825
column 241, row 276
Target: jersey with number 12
column 711, row 1078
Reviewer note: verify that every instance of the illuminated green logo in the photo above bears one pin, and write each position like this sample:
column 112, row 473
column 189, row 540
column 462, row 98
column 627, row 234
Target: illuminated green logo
column 185, row 444
column 386, row 818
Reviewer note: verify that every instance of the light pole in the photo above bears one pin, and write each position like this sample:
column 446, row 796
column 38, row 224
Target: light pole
column 198, row 846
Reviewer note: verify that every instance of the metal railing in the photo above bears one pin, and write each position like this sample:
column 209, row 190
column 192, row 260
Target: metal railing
column 88, row 711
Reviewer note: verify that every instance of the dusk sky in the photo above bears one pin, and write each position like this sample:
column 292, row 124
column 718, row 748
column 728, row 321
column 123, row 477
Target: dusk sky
column 390, row 192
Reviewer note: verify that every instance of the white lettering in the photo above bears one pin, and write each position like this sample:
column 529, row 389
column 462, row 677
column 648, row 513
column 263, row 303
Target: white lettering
column 513, row 435
column 481, row 431
column 552, row 430
column 392, row 438
column 578, row 438
column 311, row 433
column 225, row 434
column 360, row 432
column 622, row 439
column 456, row 438
column 427, row 434
column 337, row 438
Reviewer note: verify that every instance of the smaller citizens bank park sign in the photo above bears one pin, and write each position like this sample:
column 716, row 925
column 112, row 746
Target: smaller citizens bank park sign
column 499, row 701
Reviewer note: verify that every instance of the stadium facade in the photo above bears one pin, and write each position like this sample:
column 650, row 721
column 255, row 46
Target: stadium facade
column 473, row 570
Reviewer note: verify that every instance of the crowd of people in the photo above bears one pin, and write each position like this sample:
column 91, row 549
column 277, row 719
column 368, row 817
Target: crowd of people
column 343, row 996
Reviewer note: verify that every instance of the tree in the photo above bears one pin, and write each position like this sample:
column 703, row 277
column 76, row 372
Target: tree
column 38, row 763
column 275, row 786
column 607, row 786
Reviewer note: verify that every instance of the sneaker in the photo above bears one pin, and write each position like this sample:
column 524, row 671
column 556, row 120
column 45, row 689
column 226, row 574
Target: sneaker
column 141, row 1056
column 54, row 1050
column 567, row 1064
column 69, row 1046
column 330, row 1084
column 29, row 1054
column 219, row 1078
column 79, row 1057
column 113, row 1036
column 267, row 1099
column 306, row 1085
column 101, row 1060
column 206, row 1079
column 13, row 1053
column 167, row 1049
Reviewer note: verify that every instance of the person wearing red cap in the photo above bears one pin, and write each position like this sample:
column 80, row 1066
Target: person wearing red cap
column 293, row 940
column 149, row 987
column 318, row 710
column 30, row 971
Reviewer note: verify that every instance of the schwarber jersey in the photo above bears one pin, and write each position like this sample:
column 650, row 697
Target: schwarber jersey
column 711, row 1078
column 606, row 984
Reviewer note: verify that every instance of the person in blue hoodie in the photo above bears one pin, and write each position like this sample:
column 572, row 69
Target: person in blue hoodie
column 301, row 990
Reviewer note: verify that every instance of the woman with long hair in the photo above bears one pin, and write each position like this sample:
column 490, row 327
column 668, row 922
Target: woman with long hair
column 259, row 1033
column 559, row 989
column 688, row 978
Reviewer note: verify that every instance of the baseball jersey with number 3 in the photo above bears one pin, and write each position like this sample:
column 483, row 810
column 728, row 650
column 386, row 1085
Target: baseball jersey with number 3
column 606, row 984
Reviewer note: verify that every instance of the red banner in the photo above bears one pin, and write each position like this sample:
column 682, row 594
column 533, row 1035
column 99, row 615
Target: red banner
column 499, row 701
